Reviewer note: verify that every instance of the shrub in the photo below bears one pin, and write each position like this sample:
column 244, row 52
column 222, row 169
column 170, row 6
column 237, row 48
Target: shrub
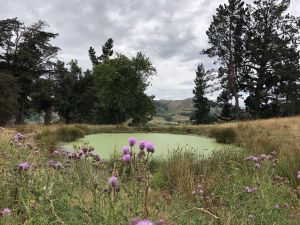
column 224, row 135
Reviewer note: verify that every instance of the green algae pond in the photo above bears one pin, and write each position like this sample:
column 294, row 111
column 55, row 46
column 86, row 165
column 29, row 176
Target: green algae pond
column 106, row 144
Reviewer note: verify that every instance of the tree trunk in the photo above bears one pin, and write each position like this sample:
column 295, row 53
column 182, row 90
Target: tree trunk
column 47, row 118
column 20, row 114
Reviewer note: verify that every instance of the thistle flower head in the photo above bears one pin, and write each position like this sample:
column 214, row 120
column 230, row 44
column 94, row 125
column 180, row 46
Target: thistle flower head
column 5, row 211
column 144, row 222
column 142, row 145
column 113, row 181
column 24, row 166
column 126, row 158
column 131, row 141
column 125, row 150
column 97, row 158
column 56, row 152
column 298, row 175
column 150, row 147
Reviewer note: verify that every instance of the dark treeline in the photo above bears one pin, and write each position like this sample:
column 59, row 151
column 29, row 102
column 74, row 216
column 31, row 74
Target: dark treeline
column 257, row 50
column 33, row 81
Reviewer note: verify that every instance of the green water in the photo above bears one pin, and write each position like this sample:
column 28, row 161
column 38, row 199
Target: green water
column 106, row 143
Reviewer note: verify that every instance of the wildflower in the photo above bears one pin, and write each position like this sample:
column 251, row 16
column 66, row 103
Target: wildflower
column 5, row 212
column 97, row 158
column 250, row 190
column 126, row 158
column 286, row 205
column 144, row 222
column 131, row 141
column 251, row 217
column 255, row 159
column 80, row 153
column 69, row 155
column 125, row 150
column 257, row 166
column 56, row 152
column 24, row 166
column 142, row 145
column 276, row 206
column 150, row 147
column 298, row 175
column 113, row 181
column 19, row 137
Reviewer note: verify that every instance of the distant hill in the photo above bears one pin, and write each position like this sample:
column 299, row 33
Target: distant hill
column 177, row 111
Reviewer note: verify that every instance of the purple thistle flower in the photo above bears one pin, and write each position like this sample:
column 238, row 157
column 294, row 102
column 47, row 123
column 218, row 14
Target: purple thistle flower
column 150, row 147
column 125, row 150
column 56, row 152
column 126, row 158
column 97, row 158
column 250, row 190
column 113, row 181
column 142, row 145
column 80, row 152
column 24, row 166
column 131, row 141
column 276, row 206
column 5, row 211
column 255, row 159
column 144, row 222
column 298, row 175
column 286, row 205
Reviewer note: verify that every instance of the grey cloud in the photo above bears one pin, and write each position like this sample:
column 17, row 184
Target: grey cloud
column 170, row 32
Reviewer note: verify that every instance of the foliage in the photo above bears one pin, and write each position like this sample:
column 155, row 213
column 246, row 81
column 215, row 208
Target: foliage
column 120, row 84
column 226, row 34
column 25, row 53
column 201, row 103
column 8, row 97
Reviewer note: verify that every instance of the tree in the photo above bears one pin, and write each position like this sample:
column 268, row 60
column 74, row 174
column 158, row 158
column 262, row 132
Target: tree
column 201, row 103
column 272, row 68
column 107, row 52
column 85, row 99
column 26, row 53
column 8, row 97
column 120, row 84
column 225, row 35
column 43, row 98
column 64, row 89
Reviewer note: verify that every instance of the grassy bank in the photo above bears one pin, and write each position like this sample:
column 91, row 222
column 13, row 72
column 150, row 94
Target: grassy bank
column 258, row 185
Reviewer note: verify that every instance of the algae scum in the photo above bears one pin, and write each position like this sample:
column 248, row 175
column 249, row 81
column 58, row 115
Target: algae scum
column 106, row 144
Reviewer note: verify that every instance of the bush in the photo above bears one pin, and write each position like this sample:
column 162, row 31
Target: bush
column 69, row 133
column 223, row 135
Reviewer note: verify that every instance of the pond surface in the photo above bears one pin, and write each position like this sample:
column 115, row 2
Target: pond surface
column 106, row 144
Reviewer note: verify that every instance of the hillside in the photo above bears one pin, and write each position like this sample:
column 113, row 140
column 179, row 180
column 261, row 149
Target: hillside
column 176, row 111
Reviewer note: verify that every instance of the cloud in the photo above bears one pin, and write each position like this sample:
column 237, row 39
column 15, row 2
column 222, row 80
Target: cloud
column 171, row 33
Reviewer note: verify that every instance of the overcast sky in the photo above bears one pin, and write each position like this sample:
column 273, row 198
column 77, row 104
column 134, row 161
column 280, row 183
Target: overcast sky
column 170, row 32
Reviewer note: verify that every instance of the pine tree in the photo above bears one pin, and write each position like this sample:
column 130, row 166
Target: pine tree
column 107, row 49
column 225, row 35
column 93, row 57
column 272, row 66
column 201, row 103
